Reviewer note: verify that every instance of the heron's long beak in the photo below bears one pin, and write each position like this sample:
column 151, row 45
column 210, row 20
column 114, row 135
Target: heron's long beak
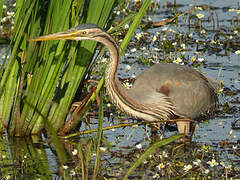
column 70, row 34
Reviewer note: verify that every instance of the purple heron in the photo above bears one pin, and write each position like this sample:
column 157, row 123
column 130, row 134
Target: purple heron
column 162, row 92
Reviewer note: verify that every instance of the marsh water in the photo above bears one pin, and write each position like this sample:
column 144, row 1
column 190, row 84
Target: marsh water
column 210, row 44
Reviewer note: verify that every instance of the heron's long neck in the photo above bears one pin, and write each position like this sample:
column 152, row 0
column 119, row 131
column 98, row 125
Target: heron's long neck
column 115, row 89
column 118, row 93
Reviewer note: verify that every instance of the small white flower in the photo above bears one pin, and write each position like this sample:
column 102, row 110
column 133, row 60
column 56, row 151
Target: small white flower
column 164, row 154
column 72, row 173
column 157, row 49
column 143, row 48
column 190, row 35
column 178, row 60
column 154, row 38
column 164, row 29
column 238, row 11
column 104, row 60
column 4, row 156
column 206, row 171
column 126, row 26
column 65, row 167
column 222, row 164
column 8, row 177
column 193, row 58
column 213, row 42
column 200, row 59
column 4, row 7
column 235, row 32
column 11, row 14
column 220, row 90
column 203, row 31
column 4, row 19
column 200, row 16
column 160, row 166
column 234, row 147
column 149, row 18
column 230, row 37
column 138, row 36
column 174, row 43
column 183, row 46
column 103, row 149
column 156, row 176
column 230, row 133
column 133, row 76
column 228, row 166
column 133, row 50
column 108, row 105
column 171, row 30
column 139, row 146
column 127, row 68
column 118, row 13
column 237, row 52
column 187, row 167
column 74, row 152
column 231, row 10
column 197, row 162
column 219, row 122
column 134, row 126
column 199, row 8
column 212, row 163
column 127, row 85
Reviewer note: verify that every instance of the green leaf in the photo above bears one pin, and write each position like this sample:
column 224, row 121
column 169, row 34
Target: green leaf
column 149, row 151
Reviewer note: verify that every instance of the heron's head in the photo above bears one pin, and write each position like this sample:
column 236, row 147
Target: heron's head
column 81, row 32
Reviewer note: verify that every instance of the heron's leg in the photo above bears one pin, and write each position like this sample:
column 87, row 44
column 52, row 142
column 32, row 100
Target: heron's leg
column 183, row 127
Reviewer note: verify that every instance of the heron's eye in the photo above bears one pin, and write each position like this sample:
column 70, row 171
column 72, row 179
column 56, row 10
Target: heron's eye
column 84, row 33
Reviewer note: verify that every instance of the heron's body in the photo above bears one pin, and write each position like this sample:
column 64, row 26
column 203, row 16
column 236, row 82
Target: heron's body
column 162, row 92
column 189, row 91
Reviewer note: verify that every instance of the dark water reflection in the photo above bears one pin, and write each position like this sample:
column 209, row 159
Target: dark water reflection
column 26, row 158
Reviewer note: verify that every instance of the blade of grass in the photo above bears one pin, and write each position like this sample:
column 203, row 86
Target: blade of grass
column 149, row 151
column 99, row 137
column 1, row 7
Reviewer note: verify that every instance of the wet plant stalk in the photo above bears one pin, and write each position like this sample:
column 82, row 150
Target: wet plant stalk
column 99, row 137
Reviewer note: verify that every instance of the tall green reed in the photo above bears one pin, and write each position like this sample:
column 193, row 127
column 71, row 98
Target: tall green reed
column 41, row 79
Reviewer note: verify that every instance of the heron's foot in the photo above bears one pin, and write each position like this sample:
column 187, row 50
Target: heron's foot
column 157, row 131
column 183, row 126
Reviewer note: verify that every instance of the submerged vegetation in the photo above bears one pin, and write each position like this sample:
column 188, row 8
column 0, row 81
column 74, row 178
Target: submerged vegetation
column 41, row 81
